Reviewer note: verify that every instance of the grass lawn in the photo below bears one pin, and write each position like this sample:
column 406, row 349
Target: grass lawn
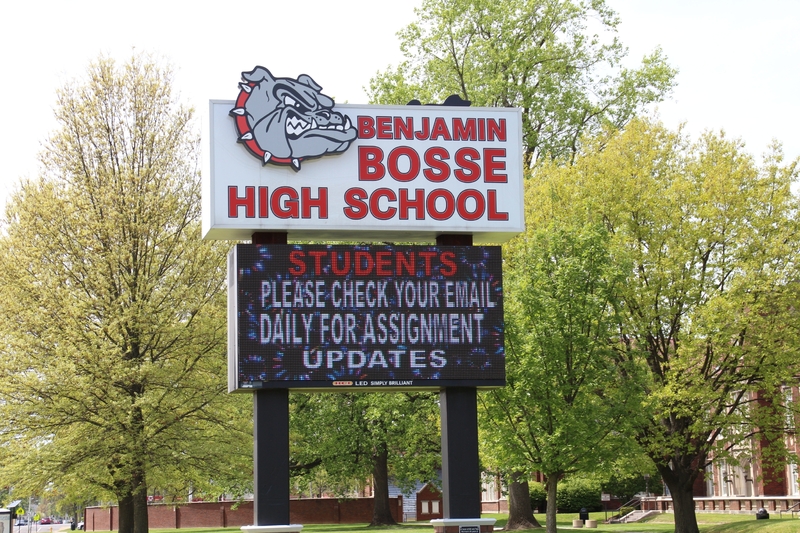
column 709, row 523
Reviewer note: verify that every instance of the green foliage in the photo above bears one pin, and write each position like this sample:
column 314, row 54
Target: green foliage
column 566, row 405
column 707, row 316
column 559, row 61
column 538, row 496
column 625, row 486
column 343, row 439
column 622, row 511
column 562, row 376
column 578, row 493
column 112, row 308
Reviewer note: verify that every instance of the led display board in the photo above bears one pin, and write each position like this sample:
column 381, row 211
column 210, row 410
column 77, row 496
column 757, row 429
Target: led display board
column 364, row 317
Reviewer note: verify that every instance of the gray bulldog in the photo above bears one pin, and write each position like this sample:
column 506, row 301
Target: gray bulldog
column 284, row 121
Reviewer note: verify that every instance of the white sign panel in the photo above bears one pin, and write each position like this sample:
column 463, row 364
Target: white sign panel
column 283, row 158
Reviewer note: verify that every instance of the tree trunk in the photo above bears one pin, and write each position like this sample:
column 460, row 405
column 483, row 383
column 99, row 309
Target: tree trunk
column 140, row 519
column 683, row 505
column 552, row 507
column 381, row 510
column 125, row 509
column 138, row 478
column 520, row 512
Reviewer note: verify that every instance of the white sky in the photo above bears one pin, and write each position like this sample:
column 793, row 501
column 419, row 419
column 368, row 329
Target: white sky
column 738, row 59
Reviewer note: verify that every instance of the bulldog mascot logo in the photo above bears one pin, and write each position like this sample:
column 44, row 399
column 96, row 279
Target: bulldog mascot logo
column 285, row 121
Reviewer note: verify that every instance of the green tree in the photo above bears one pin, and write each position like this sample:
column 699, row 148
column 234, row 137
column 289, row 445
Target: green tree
column 112, row 311
column 355, row 436
column 563, row 409
column 544, row 57
column 708, row 310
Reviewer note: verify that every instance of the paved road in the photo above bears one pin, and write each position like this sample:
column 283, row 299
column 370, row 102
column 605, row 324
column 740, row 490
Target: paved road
column 34, row 528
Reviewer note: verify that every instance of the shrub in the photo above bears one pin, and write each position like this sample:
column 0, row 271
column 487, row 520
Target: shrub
column 622, row 511
column 577, row 493
column 538, row 496
column 625, row 486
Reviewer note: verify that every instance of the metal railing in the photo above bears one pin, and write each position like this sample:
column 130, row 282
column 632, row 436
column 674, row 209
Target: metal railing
column 635, row 503
column 794, row 509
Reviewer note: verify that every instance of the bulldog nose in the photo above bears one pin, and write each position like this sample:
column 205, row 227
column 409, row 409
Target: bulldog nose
column 331, row 119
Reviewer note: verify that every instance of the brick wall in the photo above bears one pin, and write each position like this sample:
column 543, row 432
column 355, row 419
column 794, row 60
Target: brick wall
column 222, row 514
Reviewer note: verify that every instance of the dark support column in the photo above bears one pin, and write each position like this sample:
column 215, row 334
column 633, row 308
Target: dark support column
column 461, row 476
column 453, row 239
column 271, row 441
column 271, row 457
column 275, row 237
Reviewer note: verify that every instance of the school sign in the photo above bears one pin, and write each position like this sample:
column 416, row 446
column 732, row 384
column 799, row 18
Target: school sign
column 282, row 157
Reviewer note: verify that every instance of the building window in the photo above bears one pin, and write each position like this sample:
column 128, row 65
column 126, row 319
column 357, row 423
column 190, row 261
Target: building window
column 709, row 478
column 794, row 479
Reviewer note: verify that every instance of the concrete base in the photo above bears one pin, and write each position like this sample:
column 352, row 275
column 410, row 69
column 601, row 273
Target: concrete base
column 290, row 528
column 577, row 523
column 463, row 525
column 591, row 524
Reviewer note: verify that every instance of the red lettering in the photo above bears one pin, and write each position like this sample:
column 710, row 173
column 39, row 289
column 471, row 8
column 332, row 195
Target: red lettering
column 345, row 269
column 263, row 203
column 418, row 204
column 413, row 163
column 434, row 158
column 366, row 127
column 496, row 130
column 404, row 262
column 235, row 202
column 384, row 127
column 494, row 214
column 361, row 268
column 317, row 255
column 287, row 209
column 404, row 127
column 447, row 260
column 296, row 258
column 480, row 204
column 357, row 208
column 424, row 131
column 370, row 166
column 464, row 131
column 440, row 129
column 427, row 256
column 382, row 261
column 307, row 202
column 449, row 201
column 470, row 171
column 491, row 165
column 374, row 203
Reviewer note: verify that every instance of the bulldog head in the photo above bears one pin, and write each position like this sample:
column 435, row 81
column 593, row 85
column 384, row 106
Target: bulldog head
column 285, row 121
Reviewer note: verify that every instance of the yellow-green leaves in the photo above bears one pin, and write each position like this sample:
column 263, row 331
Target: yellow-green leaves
column 559, row 61
column 112, row 309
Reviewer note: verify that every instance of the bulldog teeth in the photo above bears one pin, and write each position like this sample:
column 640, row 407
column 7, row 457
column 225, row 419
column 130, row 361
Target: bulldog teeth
column 297, row 126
